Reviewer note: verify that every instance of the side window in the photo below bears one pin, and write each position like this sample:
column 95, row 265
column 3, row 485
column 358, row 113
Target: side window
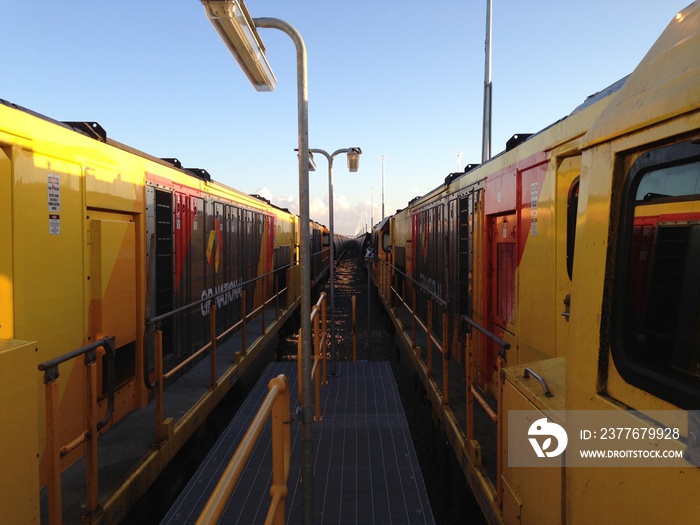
column 571, row 210
column 656, row 312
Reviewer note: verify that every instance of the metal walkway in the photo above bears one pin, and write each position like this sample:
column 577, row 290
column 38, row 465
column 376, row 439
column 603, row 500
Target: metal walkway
column 366, row 470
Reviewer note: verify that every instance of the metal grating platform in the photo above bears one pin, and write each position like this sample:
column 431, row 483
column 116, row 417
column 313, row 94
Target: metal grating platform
column 366, row 470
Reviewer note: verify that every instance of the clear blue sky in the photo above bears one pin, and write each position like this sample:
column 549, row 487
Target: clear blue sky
column 402, row 79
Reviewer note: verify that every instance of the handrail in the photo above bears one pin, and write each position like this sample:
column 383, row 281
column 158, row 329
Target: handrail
column 474, row 393
column 503, row 345
column 530, row 372
column 320, row 335
column 162, row 317
column 472, row 390
column 276, row 406
column 88, row 436
column 420, row 285
column 163, row 425
column 152, row 322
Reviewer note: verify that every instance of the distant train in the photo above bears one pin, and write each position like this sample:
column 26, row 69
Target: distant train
column 96, row 240
column 579, row 249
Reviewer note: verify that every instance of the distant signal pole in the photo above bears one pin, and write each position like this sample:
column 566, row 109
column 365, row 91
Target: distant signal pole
column 382, row 187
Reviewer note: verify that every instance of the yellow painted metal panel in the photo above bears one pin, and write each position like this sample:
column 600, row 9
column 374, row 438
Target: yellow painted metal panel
column 658, row 89
column 535, row 314
column 48, row 243
column 6, row 291
column 538, row 491
column 115, row 189
column 19, row 441
column 48, row 271
column 113, row 280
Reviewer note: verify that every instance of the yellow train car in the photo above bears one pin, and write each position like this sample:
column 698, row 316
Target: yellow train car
column 97, row 239
column 567, row 273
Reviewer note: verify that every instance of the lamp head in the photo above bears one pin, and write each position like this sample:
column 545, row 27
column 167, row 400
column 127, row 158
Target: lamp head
column 236, row 28
column 354, row 159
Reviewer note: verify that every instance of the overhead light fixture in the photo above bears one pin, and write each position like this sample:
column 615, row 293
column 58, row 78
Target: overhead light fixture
column 236, row 28
column 354, row 159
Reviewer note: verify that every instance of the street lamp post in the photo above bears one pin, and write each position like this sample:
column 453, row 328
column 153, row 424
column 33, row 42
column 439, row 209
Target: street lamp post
column 237, row 29
column 353, row 165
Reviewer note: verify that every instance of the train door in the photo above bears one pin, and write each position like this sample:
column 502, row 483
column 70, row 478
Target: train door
column 566, row 209
column 502, row 290
column 6, row 240
column 112, row 303
column 503, row 265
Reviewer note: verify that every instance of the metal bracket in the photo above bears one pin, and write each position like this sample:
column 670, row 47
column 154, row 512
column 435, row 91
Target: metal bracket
column 295, row 416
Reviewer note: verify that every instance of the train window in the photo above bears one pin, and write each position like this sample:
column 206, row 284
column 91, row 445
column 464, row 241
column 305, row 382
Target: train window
column 386, row 241
column 571, row 210
column 656, row 308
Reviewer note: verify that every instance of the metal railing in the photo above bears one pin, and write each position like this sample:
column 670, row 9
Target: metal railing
column 164, row 427
column 92, row 426
column 276, row 406
column 474, row 393
column 320, row 357
column 277, row 403
column 384, row 279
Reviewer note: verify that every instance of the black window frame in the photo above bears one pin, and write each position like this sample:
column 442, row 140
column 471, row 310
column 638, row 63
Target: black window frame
column 682, row 393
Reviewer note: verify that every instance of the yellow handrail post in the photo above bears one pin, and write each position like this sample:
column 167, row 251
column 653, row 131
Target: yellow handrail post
column 430, row 339
column 212, row 328
column 281, row 446
column 470, row 395
column 354, row 328
column 300, row 383
column 385, row 278
column 499, row 436
column 92, row 502
column 264, row 304
column 160, row 431
column 404, row 304
column 277, row 388
column 277, row 296
column 54, row 470
column 324, row 337
column 244, row 320
column 316, row 371
column 413, row 313
column 290, row 288
column 445, row 363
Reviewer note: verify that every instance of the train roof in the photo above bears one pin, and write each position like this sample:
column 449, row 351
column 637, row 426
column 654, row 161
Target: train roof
column 521, row 138
column 664, row 85
column 95, row 131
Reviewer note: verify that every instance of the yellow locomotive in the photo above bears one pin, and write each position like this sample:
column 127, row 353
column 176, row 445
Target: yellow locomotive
column 97, row 240
column 562, row 277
